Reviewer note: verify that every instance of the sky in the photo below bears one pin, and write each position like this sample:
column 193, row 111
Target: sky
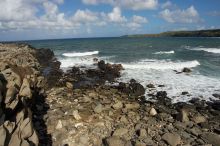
column 54, row 19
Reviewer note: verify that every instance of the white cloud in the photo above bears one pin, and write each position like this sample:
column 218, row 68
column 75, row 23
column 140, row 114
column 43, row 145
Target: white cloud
column 136, row 22
column 22, row 16
column 96, row 2
column 85, row 16
column 167, row 4
column 139, row 19
column 128, row 4
column 190, row 15
column 115, row 16
column 51, row 10
column 137, row 4
column 16, row 10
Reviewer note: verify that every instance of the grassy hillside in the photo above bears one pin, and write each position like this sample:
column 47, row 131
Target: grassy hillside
column 199, row 33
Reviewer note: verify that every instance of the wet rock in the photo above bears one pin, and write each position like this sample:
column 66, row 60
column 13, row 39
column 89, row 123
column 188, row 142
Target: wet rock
column 153, row 112
column 185, row 93
column 186, row 70
column 133, row 88
column 114, row 141
column 102, row 65
column 211, row 138
column 150, row 86
column 95, row 59
column 162, row 94
column 172, row 139
column 216, row 95
column 111, row 71
column 136, row 89
column 98, row 108
column 161, row 86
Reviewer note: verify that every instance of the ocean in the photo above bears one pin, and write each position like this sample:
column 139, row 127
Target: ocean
column 150, row 60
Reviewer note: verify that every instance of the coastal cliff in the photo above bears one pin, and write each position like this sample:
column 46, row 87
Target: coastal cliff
column 41, row 105
column 198, row 33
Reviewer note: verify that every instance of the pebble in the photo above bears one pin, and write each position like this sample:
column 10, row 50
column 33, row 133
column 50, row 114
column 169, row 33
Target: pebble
column 117, row 105
column 98, row 108
column 76, row 115
column 153, row 112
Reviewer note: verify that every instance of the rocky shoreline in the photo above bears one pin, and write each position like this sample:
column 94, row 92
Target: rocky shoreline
column 41, row 105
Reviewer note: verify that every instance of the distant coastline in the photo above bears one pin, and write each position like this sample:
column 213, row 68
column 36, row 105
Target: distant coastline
column 199, row 33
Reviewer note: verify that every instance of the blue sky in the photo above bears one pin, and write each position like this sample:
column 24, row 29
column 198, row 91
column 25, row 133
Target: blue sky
column 49, row 19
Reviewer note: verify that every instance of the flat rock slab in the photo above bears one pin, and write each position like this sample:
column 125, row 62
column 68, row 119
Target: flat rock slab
column 172, row 139
column 211, row 138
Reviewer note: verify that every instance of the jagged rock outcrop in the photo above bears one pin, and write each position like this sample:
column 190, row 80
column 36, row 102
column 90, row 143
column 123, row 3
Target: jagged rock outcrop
column 21, row 80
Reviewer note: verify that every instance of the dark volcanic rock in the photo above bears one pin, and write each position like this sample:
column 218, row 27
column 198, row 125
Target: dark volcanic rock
column 216, row 95
column 133, row 88
column 111, row 71
column 88, row 78
column 150, row 86
column 186, row 70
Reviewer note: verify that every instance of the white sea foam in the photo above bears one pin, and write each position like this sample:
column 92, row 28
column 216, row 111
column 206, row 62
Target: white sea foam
column 210, row 50
column 81, row 61
column 161, row 65
column 79, row 54
column 69, row 62
column 165, row 52
column 196, row 84
column 160, row 72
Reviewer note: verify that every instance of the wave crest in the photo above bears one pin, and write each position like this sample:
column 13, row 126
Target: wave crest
column 165, row 52
column 80, row 54
column 210, row 50
column 161, row 65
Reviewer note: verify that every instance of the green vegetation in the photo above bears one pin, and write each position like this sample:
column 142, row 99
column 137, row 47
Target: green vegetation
column 199, row 33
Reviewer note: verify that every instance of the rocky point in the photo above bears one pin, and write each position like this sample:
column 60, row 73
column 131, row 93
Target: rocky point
column 41, row 105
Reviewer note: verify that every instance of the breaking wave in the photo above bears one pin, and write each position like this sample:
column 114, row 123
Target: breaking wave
column 161, row 65
column 80, row 54
column 165, row 52
column 210, row 50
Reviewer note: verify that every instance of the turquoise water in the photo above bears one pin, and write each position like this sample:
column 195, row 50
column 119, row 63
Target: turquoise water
column 150, row 60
